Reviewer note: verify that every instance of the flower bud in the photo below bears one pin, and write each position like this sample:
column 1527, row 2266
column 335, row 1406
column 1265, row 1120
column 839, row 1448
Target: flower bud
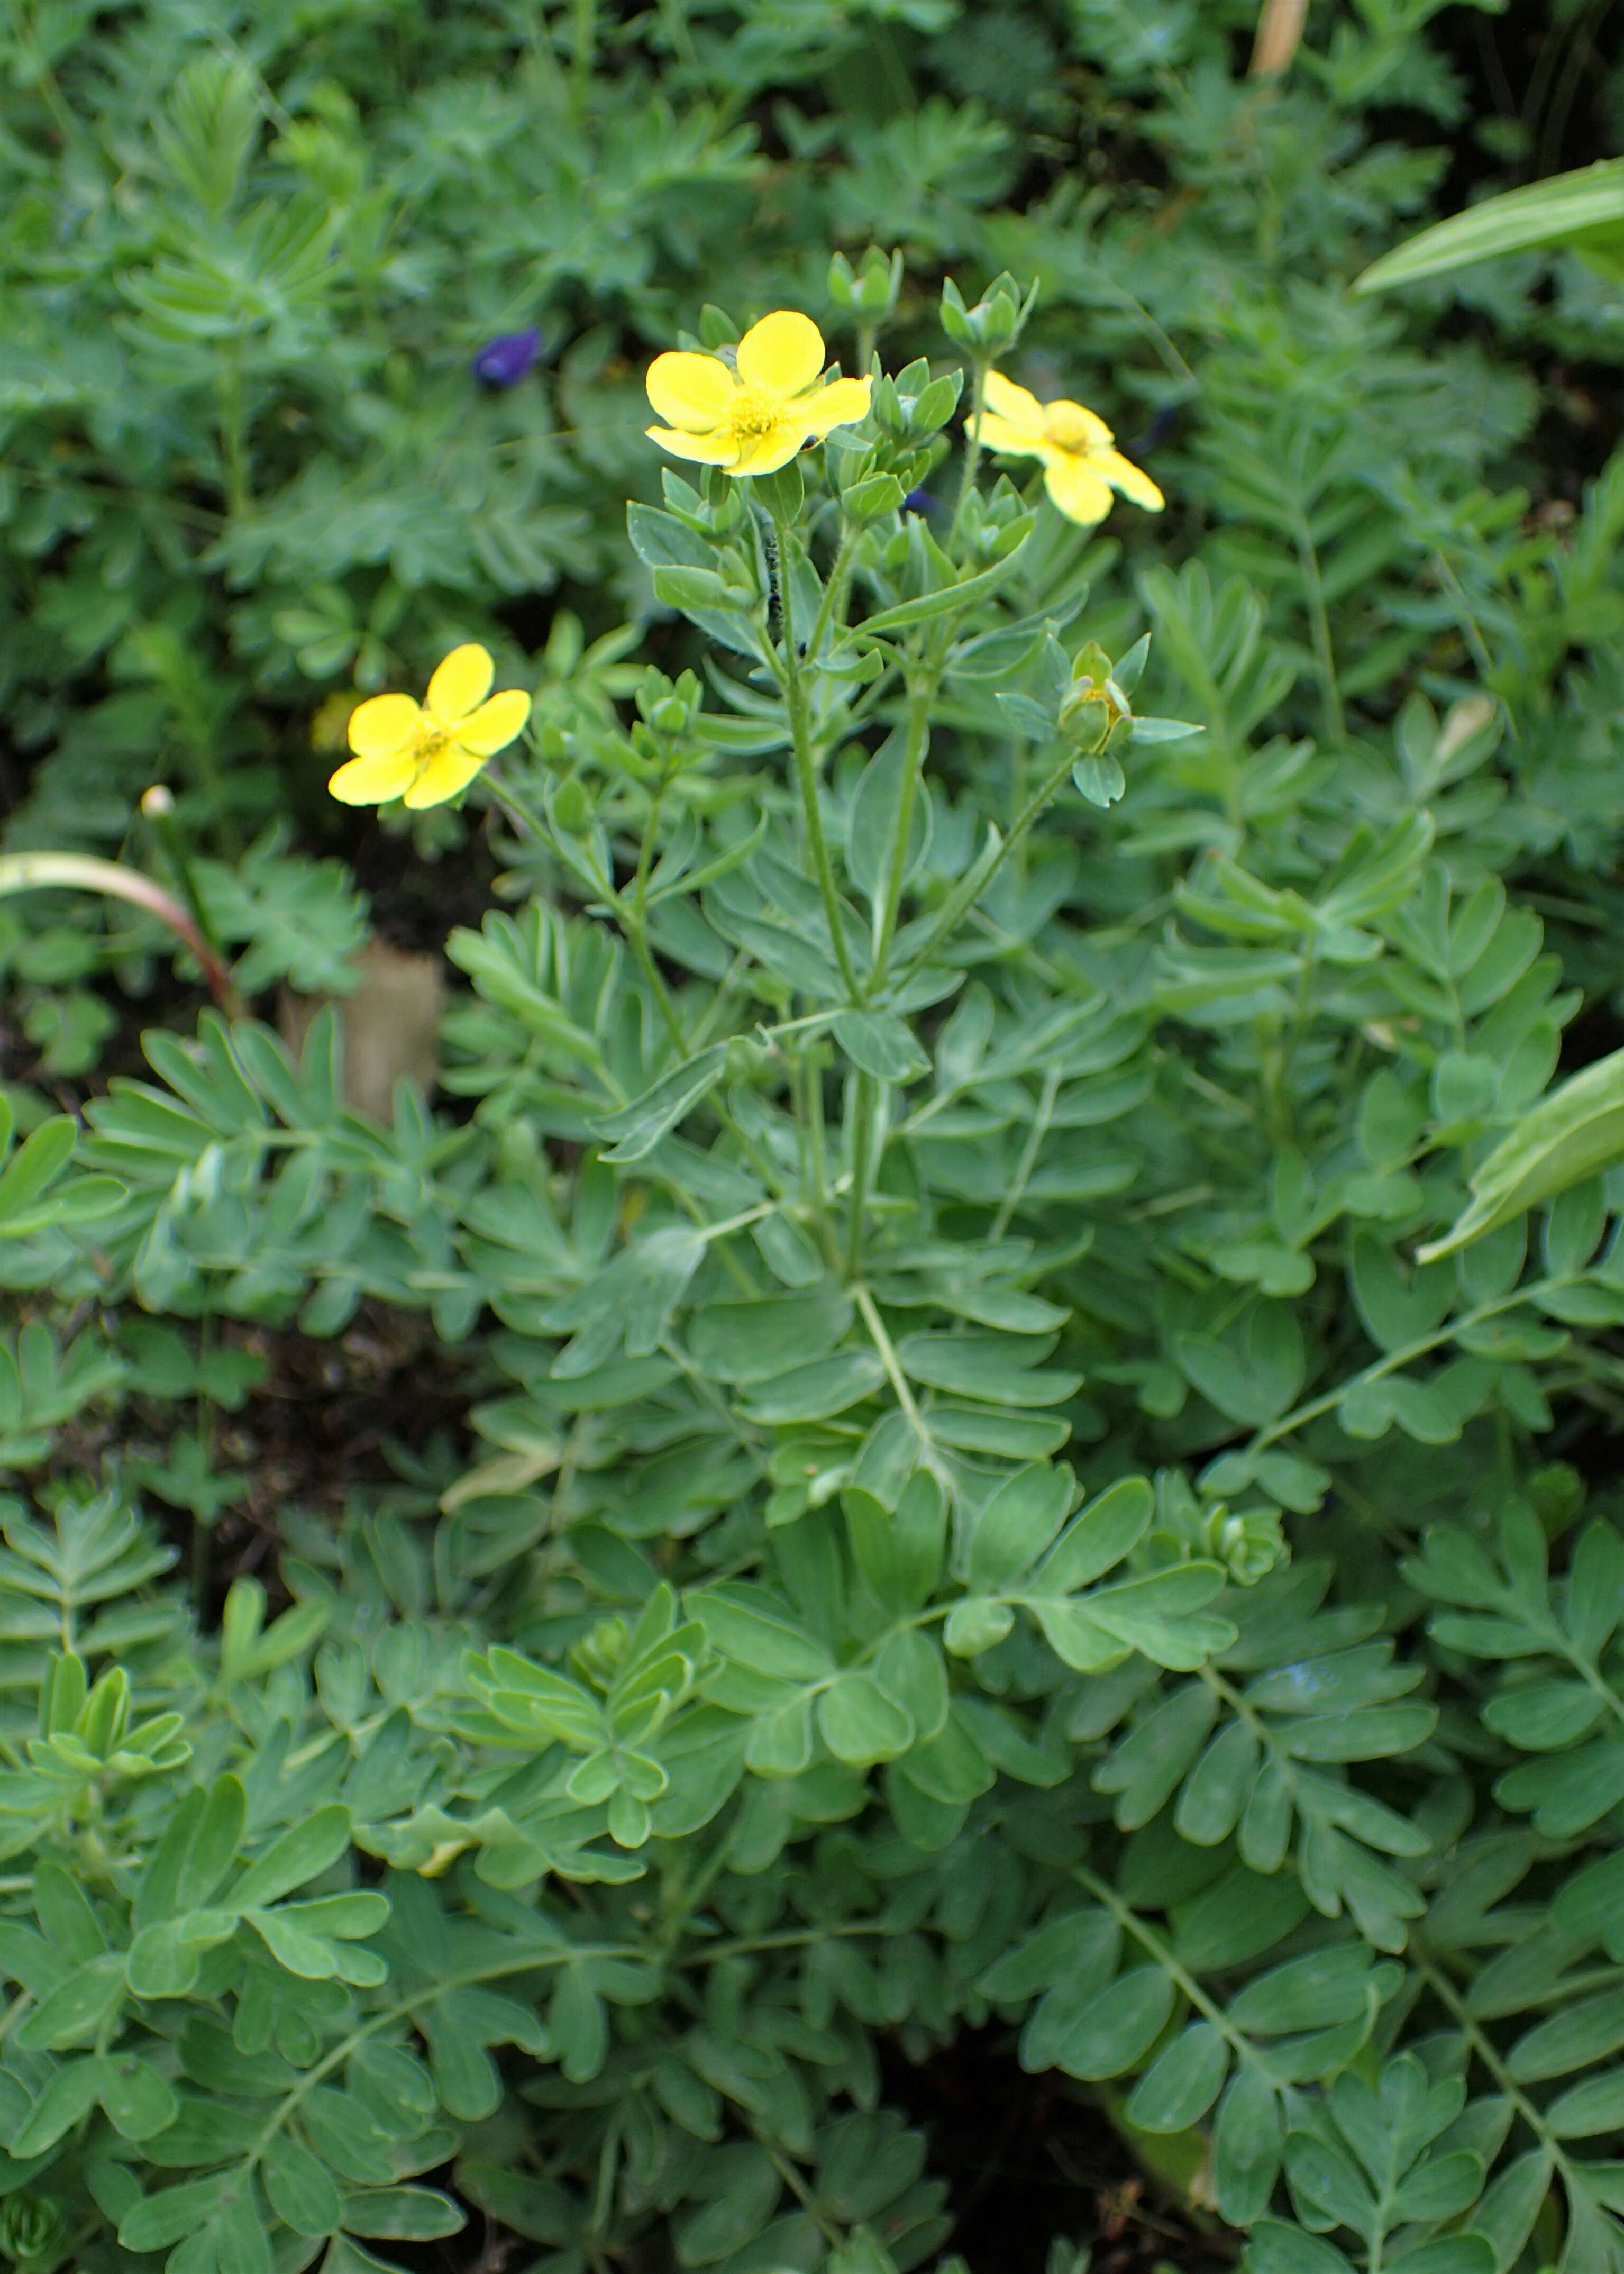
column 993, row 323
column 1093, row 705
column 717, row 327
column 157, row 803
column 870, row 292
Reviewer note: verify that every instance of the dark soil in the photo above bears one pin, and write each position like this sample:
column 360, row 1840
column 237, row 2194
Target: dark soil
column 1035, row 2160
column 332, row 1421
column 416, row 903
column 1032, row 2162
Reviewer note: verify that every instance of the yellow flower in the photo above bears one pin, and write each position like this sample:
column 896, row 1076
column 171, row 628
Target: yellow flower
column 753, row 417
column 425, row 753
column 1080, row 467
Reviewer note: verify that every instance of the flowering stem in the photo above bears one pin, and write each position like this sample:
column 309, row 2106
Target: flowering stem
column 233, row 448
column 40, row 872
column 834, row 590
column 1320, row 628
column 158, row 810
column 583, row 45
column 973, row 445
column 806, row 766
column 865, row 1102
column 969, row 889
column 914, row 758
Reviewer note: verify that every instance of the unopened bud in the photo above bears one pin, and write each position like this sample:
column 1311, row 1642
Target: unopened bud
column 993, row 323
column 157, row 802
column 870, row 290
column 1091, row 708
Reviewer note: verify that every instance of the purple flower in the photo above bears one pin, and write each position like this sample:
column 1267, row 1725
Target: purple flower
column 503, row 361
column 919, row 501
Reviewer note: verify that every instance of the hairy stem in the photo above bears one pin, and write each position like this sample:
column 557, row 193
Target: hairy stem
column 806, row 766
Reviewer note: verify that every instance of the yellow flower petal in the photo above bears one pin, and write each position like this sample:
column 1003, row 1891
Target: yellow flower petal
column 784, row 353
column 841, row 403
column 703, row 450
column 443, row 776
column 460, row 684
column 375, row 779
column 383, row 725
column 1081, row 494
column 495, row 725
column 1123, row 475
column 770, row 451
column 690, row 391
column 996, row 433
column 1015, row 403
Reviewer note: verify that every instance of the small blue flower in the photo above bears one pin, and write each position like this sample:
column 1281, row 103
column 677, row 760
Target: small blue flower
column 919, row 501
column 503, row 361
column 1159, row 430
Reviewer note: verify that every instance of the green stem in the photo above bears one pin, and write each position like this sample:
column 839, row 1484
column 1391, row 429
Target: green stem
column 969, row 889
column 645, row 856
column 1390, row 1363
column 583, row 46
column 1319, row 627
column 405, row 2009
column 1182, row 1979
column 1449, row 1998
column 806, row 766
column 864, row 1105
column 912, row 763
column 830, row 610
column 973, row 447
column 1040, row 1120
column 158, row 809
column 233, row 444
column 899, row 1380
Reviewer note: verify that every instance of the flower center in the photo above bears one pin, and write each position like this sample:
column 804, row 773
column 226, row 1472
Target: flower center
column 752, row 413
column 1068, row 428
column 430, row 744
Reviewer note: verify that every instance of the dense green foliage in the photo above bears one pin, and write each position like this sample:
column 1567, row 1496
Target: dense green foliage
column 1023, row 1275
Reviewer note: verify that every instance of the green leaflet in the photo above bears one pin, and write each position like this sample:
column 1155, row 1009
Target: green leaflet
column 1575, row 1133
column 1584, row 209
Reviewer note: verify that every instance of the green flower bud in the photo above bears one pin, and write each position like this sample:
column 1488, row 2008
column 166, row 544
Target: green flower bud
column 717, row 328
column 996, row 321
column 1094, row 707
column 871, row 291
